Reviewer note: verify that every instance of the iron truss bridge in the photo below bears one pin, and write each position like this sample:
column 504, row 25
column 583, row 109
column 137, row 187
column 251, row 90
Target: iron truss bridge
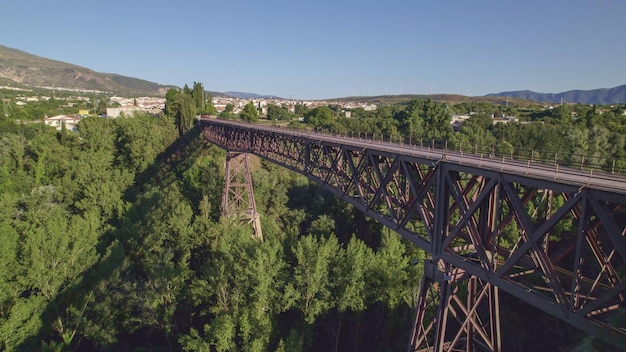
column 554, row 238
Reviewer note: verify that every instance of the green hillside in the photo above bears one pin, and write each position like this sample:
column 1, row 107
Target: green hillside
column 18, row 68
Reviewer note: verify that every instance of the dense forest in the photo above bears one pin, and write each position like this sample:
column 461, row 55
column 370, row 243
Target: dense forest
column 112, row 237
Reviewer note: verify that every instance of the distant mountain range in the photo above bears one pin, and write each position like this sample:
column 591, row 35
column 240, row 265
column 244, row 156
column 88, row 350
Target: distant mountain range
column 243, row 95
column 21, row 69
column 615, row 95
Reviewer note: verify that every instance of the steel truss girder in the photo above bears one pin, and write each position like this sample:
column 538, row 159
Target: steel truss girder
column 560, row 247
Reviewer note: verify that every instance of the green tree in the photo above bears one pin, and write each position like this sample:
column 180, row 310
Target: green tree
column 310, row 290
column 209, row 108
column 17, row 148
column 160, row 238
column 352, row 273
column 223, row 283
column 198, row 95
column 171, row 102
column 227, row 113
column 300, row 109
column 391, row 272
column 11, row 329
column 56, row 249
column 141, row 139
column 181, row 106
column 266, row 272
column 475, row 135
column 411, row 121
column 185, row 115
column 249, row 113
column 97, row 134
column 324, row 225
column 321, row 116
column 276, row 112
column 101, row 108
column 436, row 120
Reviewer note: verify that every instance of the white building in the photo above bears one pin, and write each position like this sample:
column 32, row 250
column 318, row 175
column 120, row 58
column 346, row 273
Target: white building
column 58, row 121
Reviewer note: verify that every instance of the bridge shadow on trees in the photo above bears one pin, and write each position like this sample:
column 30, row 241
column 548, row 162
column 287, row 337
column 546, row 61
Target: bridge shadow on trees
column 105, row 308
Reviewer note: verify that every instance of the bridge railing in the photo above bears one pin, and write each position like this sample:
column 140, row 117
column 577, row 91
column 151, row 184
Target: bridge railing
column 503, row 151
column 558, row 159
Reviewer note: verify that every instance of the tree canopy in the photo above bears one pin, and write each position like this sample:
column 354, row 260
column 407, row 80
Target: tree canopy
column 112, row 237
column 249, row 113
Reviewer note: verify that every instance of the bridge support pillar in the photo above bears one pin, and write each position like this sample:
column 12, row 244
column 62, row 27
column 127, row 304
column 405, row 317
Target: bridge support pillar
column 238, row 195
column 455, row 312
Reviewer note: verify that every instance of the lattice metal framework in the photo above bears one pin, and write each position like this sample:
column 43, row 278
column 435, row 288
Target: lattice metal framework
column 238, row 195
column 557, row 245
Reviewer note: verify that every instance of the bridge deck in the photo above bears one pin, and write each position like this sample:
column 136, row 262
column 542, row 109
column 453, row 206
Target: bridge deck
column 614, row 183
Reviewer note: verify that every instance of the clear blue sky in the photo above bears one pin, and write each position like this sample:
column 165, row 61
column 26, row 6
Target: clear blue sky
column 333, row 48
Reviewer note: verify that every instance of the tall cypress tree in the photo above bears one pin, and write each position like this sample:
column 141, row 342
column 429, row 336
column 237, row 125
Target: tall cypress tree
column 199, row 96
column 185, row 114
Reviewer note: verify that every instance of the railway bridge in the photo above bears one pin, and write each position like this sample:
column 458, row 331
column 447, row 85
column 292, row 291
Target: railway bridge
column 553, row 237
